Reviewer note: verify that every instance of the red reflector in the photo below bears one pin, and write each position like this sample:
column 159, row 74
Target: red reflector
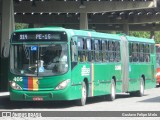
column 37, row 98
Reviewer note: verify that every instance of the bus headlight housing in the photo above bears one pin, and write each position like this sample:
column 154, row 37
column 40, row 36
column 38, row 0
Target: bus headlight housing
column 62, row 85
column 14, row 85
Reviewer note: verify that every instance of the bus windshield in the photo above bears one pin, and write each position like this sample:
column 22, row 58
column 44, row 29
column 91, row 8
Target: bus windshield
column 39, row 60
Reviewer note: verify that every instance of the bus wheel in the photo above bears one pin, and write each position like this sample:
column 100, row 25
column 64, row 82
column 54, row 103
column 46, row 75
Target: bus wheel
column 141, row 91
column 112, row 96
column 82, row 101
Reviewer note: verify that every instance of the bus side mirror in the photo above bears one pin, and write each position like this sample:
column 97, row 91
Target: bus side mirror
column 5, row 51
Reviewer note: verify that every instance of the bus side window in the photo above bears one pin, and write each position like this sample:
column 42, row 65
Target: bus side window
column 81, row 54
column 147, row 53
column 100, row 50
column 107, row 51
column 130, row 52
column 111, row 51
column 88, row 50
column 74, row 55
column 135, row 52
column 138, row 51
column 117, row 52
column 92, row 50
column 152, row 49
column 97, row 50
column 104, row 48
column 141, row 51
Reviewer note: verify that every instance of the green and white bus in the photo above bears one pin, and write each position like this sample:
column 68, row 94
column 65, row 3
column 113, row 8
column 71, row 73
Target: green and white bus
column 55, row 63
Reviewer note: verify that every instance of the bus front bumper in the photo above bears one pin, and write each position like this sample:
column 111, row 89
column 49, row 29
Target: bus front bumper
column 39, row 95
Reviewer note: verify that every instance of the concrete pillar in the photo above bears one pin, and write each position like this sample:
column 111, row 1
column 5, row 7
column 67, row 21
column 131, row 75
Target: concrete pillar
column 83, row 21
column 126, row 27
column 7, row 28
column 152, row 35
column 7, row 25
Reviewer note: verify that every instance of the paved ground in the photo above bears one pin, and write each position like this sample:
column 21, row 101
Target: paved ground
column 123, row 102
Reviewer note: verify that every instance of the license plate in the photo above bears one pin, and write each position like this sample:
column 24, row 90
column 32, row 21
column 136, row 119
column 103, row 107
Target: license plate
column 37, row 98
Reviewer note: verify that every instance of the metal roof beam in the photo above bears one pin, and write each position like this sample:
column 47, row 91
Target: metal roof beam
column 145, row 19
column 89, row 7
column 63, row 19
column 102, row 27
column 131, row 19
column 136, row 27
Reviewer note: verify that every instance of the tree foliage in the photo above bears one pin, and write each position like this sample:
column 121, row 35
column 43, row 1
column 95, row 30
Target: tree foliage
column 140, row 34
column 146, row 34
column 157, row 37
column 21, row 26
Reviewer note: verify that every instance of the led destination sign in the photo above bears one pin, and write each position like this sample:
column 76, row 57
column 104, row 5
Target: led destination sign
column 39, row 36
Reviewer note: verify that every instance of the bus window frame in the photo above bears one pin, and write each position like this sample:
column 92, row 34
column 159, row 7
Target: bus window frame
column 74, row 45
column 88, row 50
column 104, row 50
column 97, row 50
column 117, row 51
column 146, row 55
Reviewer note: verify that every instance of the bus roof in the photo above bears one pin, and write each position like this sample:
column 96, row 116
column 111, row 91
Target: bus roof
column 138, row 39
column 41, row 29
column 89, row 33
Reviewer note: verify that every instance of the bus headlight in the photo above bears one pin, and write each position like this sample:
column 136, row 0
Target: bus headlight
column 15, row 85
column 62, row 85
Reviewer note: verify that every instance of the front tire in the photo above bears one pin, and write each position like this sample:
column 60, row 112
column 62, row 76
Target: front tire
column 83, row 99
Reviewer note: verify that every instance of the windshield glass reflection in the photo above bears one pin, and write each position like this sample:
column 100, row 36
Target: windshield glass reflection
column 39, row 60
